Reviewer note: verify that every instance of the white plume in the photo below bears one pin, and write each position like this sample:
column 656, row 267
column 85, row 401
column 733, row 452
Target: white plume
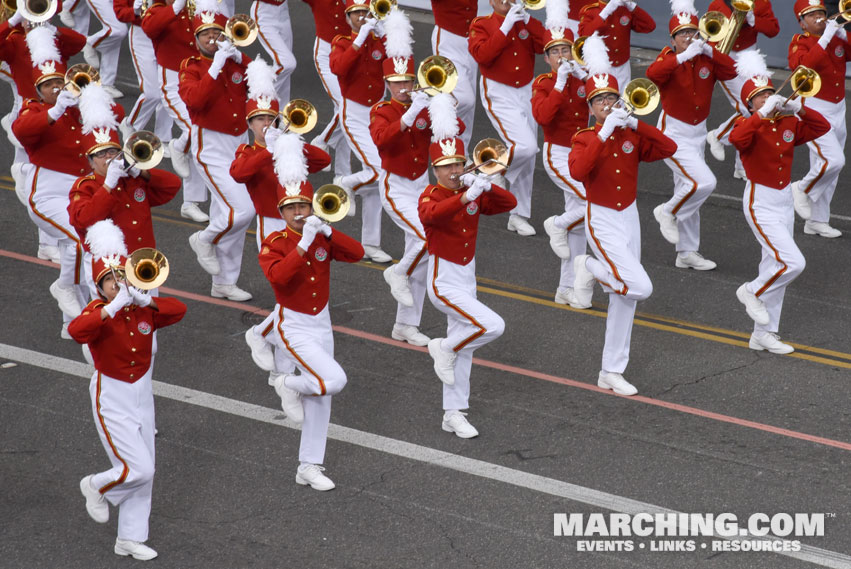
column 444, row 119
column 290, row 161
column 680, row 6
column 596, row 55
column 42, row 44
column 399, row 34
column 261, row 79
column 96, row 109
column 105, row 239
column 208, row 6
column 557, row 14
column 751, row 64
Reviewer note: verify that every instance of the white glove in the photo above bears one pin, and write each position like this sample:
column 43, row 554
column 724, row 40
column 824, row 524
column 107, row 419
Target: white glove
column 234, row 54
column 707, row 49
column 563, row 73
column 469, row 179
column 308, row 234
column 271, row 136
column 140, row 297
column 178, row 6
column 137, row 5
column 63, row 101
column 419, row 101
column 379, row 29
column 631, row 122
column 134, row 172
column 610, row 8
column 578, row 71
column 793, row 106
column 694, row 49
column 15, row 19
column 829, row 31
column 325, row 230
column 474, row 191
column 114, row 172
column 363, row 33
column 526, row 14
column 514, row 15
column 121, row 300
column 750, row 18
column 770, row 105
column 616, row 118
column 218, row 64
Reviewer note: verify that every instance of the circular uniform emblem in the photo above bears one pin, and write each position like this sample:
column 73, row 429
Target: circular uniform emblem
column 144, row 328
column 523, row 34
column 628, row 147
column 703, row 73
column 139, row 195
column 236, row 77
column 421, row 123
column 624, row 21
column 839, row 51
column 581, row 91
column 788, row 136
column 472, row 208
column 376, row 54
column 321, row 254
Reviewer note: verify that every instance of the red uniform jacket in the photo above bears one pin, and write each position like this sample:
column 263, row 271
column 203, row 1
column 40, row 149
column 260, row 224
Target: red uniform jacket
column 254, row 167
column 215, row 104
column 121, row 346
column 451, row 227
column 172, row 35
column 609, row 170
column 686, row 88
column 128, row 205
column 561, row 114
column 764, row 22
column 14, row 51
column 329, row 17
column 575, row 8
column 124, row 12
column 359, row 69
column 58, row 146
column 510, row 59
column 616, row 29
column 302, row 283
column 454, row 15
column 767, row 146
column 829, row 63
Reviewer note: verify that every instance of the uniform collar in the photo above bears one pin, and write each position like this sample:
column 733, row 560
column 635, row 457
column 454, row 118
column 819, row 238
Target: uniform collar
column 401, row 104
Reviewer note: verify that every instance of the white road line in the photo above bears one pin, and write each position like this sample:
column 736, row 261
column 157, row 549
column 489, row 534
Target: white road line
column 589, row 496
column 739, row 199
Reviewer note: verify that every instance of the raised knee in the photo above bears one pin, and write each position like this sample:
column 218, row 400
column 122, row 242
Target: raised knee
column 495, row 327
column 642, row 289
column 335, row 382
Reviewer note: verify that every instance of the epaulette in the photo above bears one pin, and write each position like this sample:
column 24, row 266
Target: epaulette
column 277, row 235
column 186, row 61
column 543, row 76
column 578, row 132
column 339, row 36
column 378, row 105
column 664, row 52
column 588, row 7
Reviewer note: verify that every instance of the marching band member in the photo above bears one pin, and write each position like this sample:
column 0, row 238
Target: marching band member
column 766, row 141
column 296, row 261
column 329, row 17
column 605, row 158
column 824, row 48
column 212, row 85
column 107, row 41
column 504, row 45
column 449, row 212
column 169, row 25
column 559, row 106
column 686, row 74
column 760, row 20
column 615, row 20
column 452, row 19
column 119, row 328
column 356, row 60
column 276, row 36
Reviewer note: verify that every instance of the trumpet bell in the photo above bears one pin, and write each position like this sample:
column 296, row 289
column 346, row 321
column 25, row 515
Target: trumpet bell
column 380, row 8
column 437, row 74
column 713, row 26
column 742, row 5
column 331, row 203
column 534, row 4
column 300, row 116
column 146, row 268
column 576, row 50
column 490, row 155
column 143, row 149
column 642, row 95
column 80, row 76
column 241, row 30
column 38, row 11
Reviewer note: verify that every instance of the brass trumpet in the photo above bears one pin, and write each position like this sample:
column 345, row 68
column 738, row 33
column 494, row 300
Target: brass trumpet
column 436, row 74
column 576, row 50
column 379, row 9
column 80, row 76
column 241, row 30
column 490, row 156
column 713, row 26
column 300, row 116
column 37, row 11
column 330, row 203
column 146, row 268
column 805, row 82
column 640, row 97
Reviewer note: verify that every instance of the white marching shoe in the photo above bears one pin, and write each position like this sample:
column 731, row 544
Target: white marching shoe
column 558, row 238
column 715, row 146
column 17, row 172
column 410, row 334
column 374, row 253
column 96, row 504
column 754, row 306
column 769, row 341
column 822, row 229
column 444, row 362
column 568, row 296
column 615, row 382
column 91, row 56
column 740, row 174
column 67, row 18
column 456, row 422
column 694, row 260
column 48, row 253
column 230, row 292
column 667, row 224
column 311, row 475
column 520, row 225
column 261, row 350
column 205, row 253
column 290, row 399
column 583, row 283
column 66, row 298
column 399, row 287
column 179, row 159
column 190, row 210
column 801, row 202
column 113, row 91
column 125, row 128
column 135, row 549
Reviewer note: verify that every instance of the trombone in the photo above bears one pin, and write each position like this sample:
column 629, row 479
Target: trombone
column 490, row 156
column 240, row 30
column 300, row 116
column 534, row 4
column 713, row 26
column 80, row 76
column 143, row 150
column 844, row 12
column 805, row 83
column 379, row 9
column 330, row 203
column 576, row 50
column 436, row 74
column 640, row 97
column 146, row 268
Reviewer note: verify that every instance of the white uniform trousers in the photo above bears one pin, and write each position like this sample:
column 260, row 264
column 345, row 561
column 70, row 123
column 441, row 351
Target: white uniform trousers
column 470, row 324
column 150, row 99
column 364, row 183
column 555, row 158
column 510, row 112
column 194, row 189
column 308, row 343
column 80, row 10
column 732, row 89
column 276, row 36
column 6, row 75
column 623, row 73
column 693, row 180
column 574, row 26
column 333, row 134
column 771, row 216
column 400, row 197
column 615, row 239
column 108, row 40
column 827, row 158
column 124, row 418
column 447, row 44
column 231, row 208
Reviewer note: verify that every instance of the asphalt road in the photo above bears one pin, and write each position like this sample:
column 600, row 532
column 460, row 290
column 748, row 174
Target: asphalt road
column 717, row 428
